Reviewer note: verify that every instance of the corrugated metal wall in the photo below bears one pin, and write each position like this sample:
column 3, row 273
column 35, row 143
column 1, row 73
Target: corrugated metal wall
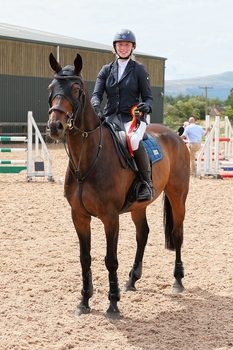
column 22, row 94
column 25, row 75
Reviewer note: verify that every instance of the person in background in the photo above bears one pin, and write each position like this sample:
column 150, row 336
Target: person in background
column 180, row 130
column 127, row 86
column 194, row 133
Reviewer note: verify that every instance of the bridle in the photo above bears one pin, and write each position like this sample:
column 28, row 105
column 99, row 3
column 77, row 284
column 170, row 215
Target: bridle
column 77, row 105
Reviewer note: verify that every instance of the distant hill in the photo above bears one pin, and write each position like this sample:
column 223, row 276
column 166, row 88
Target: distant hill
column 221, row 83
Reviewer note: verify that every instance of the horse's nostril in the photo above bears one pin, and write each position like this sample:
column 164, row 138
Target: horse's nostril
column 55, row 128
column 59, row 126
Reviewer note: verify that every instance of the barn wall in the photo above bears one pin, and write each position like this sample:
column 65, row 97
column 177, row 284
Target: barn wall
column 22, row 94
column 26, row 59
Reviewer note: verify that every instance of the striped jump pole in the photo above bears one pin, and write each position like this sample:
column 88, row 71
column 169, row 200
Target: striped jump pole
column 6, row 150
column 15, row 169
column 13, row 138
column 6, row 161
column 12, row 166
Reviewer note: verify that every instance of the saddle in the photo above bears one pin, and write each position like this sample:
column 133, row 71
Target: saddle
column 120, row 142
column 119, row 139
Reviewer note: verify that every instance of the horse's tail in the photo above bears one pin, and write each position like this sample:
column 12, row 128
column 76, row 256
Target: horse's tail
column 168, row 223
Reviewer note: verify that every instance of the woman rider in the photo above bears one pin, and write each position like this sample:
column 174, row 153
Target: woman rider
column 126, row 83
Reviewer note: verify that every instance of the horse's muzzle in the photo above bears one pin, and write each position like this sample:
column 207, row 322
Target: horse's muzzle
column 55, row 129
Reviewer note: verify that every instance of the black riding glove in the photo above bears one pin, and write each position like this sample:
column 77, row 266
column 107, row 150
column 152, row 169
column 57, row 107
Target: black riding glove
column 98, row 110
column 143, row 107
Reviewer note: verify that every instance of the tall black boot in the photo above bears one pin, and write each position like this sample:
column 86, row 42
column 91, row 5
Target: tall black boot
column 146, row 190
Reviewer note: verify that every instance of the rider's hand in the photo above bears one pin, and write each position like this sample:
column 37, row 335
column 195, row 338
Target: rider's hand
column 143, row 107
column 98, row 110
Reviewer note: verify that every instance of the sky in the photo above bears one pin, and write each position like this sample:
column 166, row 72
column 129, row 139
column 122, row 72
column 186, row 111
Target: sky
column 194, row 36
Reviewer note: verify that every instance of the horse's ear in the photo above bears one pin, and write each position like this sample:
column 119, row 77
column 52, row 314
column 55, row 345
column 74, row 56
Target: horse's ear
column 54, row 64
column 78, row 64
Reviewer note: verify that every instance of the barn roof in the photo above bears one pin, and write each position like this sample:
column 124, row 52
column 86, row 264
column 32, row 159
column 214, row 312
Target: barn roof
column 9, row 31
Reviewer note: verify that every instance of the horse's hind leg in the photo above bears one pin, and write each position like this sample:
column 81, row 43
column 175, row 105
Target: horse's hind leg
column 142, row 231
column 173, row 224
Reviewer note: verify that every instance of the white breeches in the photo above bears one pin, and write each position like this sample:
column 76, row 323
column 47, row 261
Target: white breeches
column 137, row 135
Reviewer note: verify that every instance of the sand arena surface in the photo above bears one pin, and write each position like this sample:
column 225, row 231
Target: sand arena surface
column 41, row 277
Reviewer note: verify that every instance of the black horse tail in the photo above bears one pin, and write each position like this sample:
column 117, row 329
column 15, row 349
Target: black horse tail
column 168, row 223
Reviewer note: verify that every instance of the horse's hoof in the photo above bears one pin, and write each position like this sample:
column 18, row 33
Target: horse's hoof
column 113, row 315
column 113, row 312
column 82, row 310
column 128, row 288
column 177, row 288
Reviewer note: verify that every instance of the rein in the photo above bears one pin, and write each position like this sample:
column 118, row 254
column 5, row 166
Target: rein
column 76, row 170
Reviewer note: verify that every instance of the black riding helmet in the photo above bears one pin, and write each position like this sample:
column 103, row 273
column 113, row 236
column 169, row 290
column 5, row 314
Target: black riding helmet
column 124, row 35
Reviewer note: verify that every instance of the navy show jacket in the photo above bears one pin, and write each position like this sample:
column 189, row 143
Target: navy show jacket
column 133, row 87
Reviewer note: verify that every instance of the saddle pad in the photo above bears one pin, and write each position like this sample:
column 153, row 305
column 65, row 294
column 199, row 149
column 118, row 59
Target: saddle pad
column 153, row 149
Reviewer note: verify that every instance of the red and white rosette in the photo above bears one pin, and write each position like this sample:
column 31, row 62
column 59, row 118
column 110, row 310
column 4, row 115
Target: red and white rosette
column 133, row 127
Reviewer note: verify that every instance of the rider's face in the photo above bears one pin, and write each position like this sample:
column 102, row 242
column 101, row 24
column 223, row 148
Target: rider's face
column 124, row 48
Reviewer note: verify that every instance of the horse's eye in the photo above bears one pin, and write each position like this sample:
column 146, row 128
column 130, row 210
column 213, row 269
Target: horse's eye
column 75, row 89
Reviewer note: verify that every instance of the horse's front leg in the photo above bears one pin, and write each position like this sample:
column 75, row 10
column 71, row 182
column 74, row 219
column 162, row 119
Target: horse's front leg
column 142, row 231
column 82, row 226
column 111, row 262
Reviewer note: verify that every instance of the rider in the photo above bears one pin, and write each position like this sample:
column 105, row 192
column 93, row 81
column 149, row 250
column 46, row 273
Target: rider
column 125, row 82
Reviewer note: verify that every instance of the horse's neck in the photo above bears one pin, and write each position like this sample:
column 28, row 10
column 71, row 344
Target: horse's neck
column 89, row 119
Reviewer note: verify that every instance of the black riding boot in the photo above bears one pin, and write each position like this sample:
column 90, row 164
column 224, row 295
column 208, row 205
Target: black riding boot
column 146, row 191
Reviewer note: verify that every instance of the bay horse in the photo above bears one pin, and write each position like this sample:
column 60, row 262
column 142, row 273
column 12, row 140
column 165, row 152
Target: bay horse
column 97, row 184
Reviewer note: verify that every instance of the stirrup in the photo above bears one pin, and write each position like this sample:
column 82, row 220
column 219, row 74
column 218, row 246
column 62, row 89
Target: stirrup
column 152, row 190
column 144, row 192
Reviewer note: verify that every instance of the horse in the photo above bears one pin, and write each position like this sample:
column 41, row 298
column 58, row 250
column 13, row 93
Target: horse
column 98, row 182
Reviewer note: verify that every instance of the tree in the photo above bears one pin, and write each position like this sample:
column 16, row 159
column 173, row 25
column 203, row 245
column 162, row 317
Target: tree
column 181, row 108
column 229, row 113
column 229, row 100
column 198, row 107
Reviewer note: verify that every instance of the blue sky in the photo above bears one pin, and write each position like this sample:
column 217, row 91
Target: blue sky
column 195, row 37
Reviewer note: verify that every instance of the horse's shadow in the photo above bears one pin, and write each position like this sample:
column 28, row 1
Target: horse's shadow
column 203, row 321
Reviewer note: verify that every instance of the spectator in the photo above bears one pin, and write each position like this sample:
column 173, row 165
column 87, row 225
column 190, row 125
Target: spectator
column 180, row 130
column 194, row 133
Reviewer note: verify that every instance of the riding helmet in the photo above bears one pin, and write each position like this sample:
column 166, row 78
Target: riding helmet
column 125, row 35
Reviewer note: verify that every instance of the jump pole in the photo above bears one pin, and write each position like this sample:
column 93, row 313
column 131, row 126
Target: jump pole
column 9, row 166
